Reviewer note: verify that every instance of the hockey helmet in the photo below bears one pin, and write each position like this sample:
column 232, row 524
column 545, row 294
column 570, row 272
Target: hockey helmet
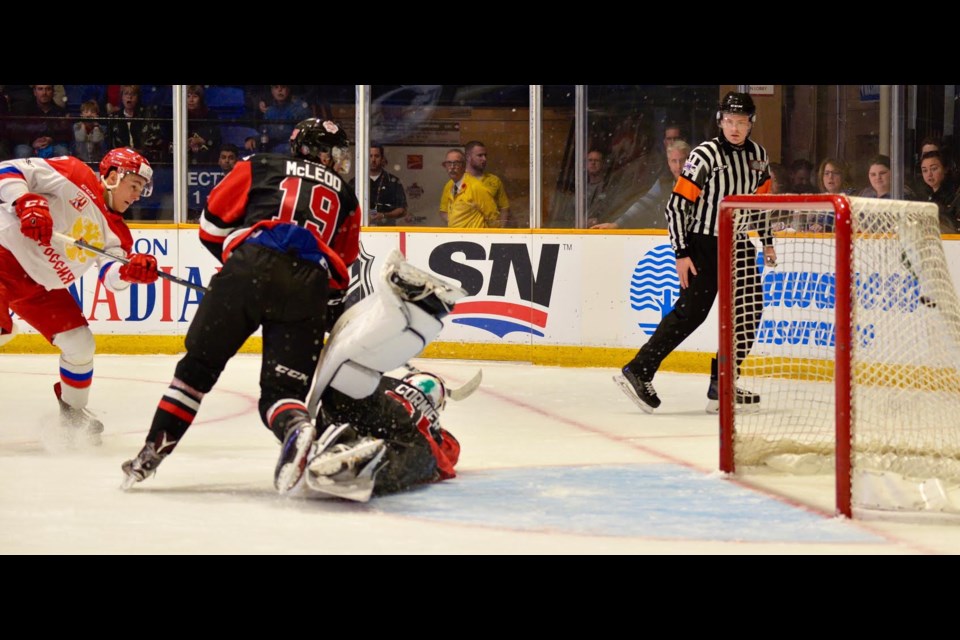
column 432, row 386
column 314, row 136
column 125, row 160
column 739, row 103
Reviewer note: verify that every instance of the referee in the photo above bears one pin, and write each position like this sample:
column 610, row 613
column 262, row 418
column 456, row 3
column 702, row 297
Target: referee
column 730, row 164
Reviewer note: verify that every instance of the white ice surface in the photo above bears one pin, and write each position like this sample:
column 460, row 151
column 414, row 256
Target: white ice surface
column 554, row 461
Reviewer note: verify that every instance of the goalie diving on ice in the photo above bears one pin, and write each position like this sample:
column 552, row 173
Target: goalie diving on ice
column 370, row 422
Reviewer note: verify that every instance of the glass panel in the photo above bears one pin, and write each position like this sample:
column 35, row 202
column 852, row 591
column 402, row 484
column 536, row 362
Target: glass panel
column 418, row 125
column 88, row 120
column 628, row 128
column 226, row 122
column 558, row 150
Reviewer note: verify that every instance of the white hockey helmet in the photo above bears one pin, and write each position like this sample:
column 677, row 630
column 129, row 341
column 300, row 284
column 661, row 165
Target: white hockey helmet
column 432, row 386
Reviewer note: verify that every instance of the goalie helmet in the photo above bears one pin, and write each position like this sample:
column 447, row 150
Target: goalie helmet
column 124, row 160
column 313, row 136
column 739, row 103
column 431, row 386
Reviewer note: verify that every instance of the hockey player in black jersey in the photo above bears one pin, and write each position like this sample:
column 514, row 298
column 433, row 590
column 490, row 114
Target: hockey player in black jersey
column 286, row 228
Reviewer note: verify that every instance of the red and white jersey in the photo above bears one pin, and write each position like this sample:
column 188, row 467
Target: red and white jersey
column 76, row 202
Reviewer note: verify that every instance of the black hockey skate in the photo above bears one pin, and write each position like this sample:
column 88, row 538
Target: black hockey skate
column 78, row 424
column 293, row 455
column 141, row 467
column 743, row 399
column 641, row 392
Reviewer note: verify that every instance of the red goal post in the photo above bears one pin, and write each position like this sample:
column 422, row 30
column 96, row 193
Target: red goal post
column 856, row 353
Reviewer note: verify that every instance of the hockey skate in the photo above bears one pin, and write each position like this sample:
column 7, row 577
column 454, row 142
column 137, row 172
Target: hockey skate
column 78, row 425
column 293, row 455
column 345, row 466
column 141, row 467
column 641, row 392
column 427, row 291
column 744, row 400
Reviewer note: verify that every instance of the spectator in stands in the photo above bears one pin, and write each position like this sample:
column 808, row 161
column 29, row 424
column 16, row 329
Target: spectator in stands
column 801, row 173
column 780, row 183
column 250, row 145
column 42, row 128
column 388, row 201
column 138, row 127
column 832, row 178
column 878, row 173
column 779, row 178
column 940, row 188
column 564, row 206
column 88, row 134
column 466, row 202
column 284, row 111
column 476, row 154
column 648, row 211
column 203, row 133
column 229, row 154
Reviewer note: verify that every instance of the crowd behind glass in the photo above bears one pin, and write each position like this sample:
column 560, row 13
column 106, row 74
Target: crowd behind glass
column 637, row 139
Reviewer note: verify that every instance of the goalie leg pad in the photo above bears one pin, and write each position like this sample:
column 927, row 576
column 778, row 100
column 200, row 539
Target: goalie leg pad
column 383, row 331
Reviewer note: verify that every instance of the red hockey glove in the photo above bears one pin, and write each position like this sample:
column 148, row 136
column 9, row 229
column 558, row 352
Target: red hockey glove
column 35, row 220
column 142, row 269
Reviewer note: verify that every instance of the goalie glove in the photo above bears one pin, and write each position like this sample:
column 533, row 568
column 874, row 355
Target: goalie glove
column 35, row 220
column 142, row 269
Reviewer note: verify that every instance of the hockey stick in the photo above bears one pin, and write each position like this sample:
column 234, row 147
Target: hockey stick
column 89, row 247
column 463, row 391
column 471, row 385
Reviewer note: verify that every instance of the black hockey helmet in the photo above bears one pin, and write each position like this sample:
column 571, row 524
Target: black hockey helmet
column 739, row 103
column 314, row 136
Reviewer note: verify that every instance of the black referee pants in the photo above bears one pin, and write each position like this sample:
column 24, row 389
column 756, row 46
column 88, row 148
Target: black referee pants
column 694, row 304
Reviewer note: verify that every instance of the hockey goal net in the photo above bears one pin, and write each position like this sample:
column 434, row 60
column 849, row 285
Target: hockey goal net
column 856, row 356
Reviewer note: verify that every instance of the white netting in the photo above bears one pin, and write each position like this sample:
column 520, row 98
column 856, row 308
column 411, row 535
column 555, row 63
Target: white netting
column 905, row 384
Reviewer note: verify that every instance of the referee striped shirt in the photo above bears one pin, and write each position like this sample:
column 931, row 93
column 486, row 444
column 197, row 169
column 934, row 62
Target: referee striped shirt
column 715, row 169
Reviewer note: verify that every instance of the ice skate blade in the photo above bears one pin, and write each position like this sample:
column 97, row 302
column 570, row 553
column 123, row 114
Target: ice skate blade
column 630, row 393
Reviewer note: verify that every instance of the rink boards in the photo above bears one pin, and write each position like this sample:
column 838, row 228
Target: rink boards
column 548, row 296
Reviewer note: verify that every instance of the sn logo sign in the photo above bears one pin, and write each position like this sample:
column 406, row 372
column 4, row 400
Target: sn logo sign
column 496, row 313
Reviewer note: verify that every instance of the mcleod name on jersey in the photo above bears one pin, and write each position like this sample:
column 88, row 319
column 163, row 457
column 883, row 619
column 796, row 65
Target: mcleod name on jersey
column 289, row 204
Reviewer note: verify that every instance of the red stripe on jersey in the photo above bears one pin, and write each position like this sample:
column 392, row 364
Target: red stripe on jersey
column 765, row 187
column 227, row 201
column 207, row 237
column 171, row 408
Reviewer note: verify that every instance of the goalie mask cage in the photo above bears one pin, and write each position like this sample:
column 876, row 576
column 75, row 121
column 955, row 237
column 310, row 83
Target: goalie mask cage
column 856, row 353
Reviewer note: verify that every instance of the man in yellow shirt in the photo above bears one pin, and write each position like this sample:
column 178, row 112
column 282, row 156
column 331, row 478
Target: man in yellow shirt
column 465, row 202
column 476, row 153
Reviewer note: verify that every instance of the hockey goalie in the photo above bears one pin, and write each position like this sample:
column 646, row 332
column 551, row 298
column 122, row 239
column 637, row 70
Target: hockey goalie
column 379, row 433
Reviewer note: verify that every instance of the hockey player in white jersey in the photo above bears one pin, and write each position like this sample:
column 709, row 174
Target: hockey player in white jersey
column 39, row 198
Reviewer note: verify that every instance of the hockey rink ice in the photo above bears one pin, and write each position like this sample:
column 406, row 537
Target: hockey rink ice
column 554, row 461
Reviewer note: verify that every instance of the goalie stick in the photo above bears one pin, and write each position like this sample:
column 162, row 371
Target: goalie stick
column 459, row 393
column 89, row 247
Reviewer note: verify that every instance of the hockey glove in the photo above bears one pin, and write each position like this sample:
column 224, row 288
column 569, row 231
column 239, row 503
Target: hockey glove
column 35, row 220
column 142, row 269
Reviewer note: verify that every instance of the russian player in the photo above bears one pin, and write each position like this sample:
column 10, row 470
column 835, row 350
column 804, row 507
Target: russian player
column 286, row 227
column 37, row 198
